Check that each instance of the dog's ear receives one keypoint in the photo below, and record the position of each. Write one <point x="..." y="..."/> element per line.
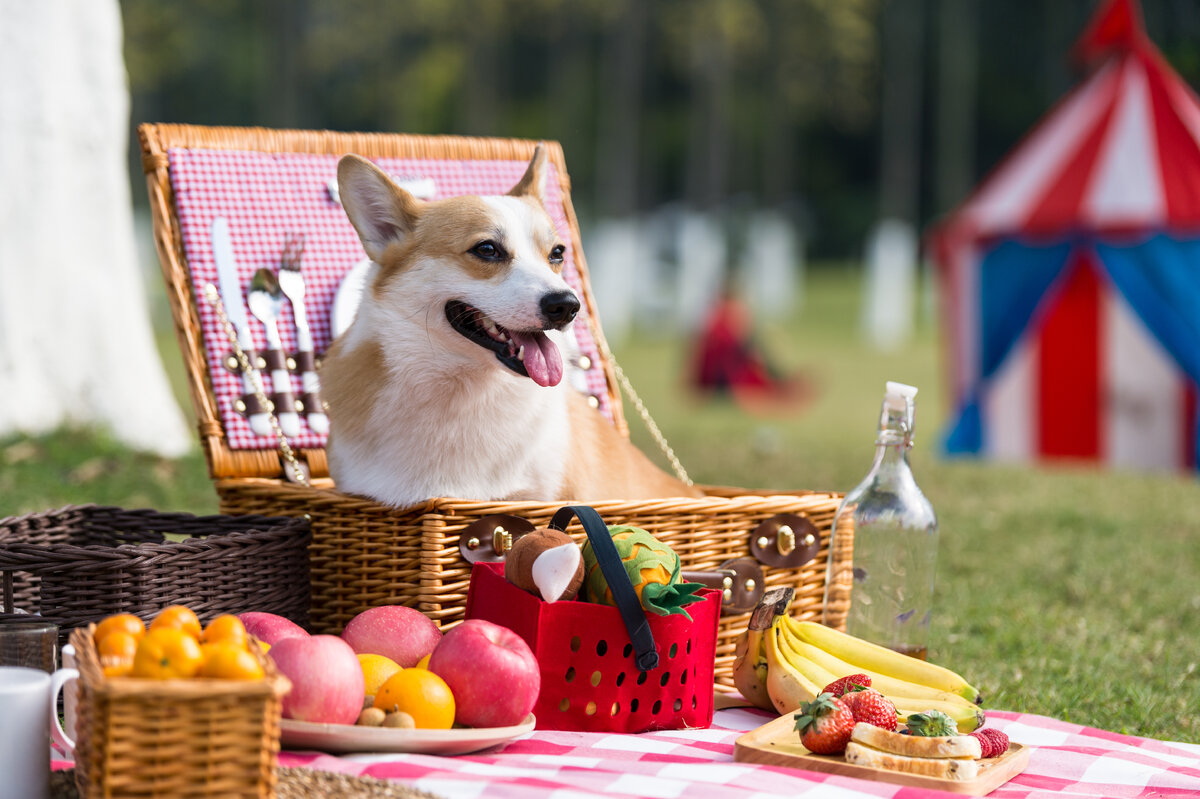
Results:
<point x="381" y="212"/>
<point x="533" y="183"/>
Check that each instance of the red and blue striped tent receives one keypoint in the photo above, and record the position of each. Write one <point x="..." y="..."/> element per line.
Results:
<point x="1071" y="276"/>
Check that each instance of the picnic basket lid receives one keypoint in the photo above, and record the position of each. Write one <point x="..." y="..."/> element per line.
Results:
<point x="271" y="183"/>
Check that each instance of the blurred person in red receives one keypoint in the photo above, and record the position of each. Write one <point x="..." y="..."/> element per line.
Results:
<point x="727" y="359"/>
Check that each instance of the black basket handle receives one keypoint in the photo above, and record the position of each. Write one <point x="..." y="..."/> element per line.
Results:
<point x="645" y="655"/>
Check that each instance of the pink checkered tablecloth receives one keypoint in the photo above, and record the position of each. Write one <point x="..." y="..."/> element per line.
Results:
<point x="1067" y="760"/>
<point x="266" y="197"/>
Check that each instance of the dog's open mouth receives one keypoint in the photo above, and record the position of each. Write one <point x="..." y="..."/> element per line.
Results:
<point x="528" y="353"/>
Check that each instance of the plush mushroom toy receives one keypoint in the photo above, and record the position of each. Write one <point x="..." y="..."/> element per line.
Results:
<point x="547" y="563"/>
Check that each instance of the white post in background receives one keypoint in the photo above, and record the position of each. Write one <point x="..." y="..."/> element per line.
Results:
<point x="76" y="344"/>
<point x="701" y="251"/>
<point x="889" y="290"/>
<point x="615" y="260"/>
<point x="773" y="264"/>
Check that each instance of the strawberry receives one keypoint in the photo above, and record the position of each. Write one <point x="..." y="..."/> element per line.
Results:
<point x="852" y="682"/>
<point x="993" y="742"/>
<point x="824" y="725"/>
<point x="872" y="707"/>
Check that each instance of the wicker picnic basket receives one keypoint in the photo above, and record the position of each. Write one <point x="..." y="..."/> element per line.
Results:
<point x="365" y="554"/>
<point x="183" y="739"/>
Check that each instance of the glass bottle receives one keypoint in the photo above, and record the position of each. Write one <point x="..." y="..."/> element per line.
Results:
<point x="890" y="581"/>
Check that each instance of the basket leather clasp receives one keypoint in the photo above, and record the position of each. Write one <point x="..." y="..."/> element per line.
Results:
<point x="740" y="581"/>
<point x="785" y="541"/>
<point x="489" y="539"/>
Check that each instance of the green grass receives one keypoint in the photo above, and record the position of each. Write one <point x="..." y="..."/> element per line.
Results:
<point x="1071" y="591"/>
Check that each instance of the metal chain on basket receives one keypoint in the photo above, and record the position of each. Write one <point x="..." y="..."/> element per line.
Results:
<point x="289" y="455"/>
<point x="643" y="412"/>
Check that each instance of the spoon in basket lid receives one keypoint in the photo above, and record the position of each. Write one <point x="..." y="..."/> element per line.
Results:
<point x="266" y="301"/>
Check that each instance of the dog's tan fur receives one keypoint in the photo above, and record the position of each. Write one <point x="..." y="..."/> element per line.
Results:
<point x="417" y="409"/>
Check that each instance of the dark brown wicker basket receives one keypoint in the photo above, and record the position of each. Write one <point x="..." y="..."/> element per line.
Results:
<point x="79" y="564"/>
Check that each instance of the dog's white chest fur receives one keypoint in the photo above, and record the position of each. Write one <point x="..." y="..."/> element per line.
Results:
<point x="450" y="428"/>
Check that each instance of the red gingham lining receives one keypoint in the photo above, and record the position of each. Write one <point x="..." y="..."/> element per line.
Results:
<point x="266" y="196"/>
<point x="1066" y="760"/>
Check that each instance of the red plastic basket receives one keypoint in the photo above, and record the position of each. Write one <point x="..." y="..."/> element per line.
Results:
<point x="589" y="667"/>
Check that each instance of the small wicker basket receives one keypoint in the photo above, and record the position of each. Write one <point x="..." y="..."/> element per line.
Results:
<point x="81" y="563"/>
<point x="175" y="739"/>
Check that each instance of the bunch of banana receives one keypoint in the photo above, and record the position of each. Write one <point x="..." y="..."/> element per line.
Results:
<point x="782" y="663"/>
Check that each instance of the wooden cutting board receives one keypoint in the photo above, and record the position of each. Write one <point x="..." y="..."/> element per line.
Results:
<point x="777" y="744"/>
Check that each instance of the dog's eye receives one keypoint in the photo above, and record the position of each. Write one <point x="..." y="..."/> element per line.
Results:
<point x="488" y="251"/>
<point x="556" y="254"/>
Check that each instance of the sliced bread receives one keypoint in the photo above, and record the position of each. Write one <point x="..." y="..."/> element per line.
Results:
<point x="951" y="768"/>
<point x="952" y="746"/>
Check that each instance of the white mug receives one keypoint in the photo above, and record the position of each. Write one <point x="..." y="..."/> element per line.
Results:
<point x="29" y="708"/>
<point x="70" y="698"/>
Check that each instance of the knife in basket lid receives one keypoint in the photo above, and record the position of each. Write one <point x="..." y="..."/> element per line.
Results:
<point x="235" y="310"/>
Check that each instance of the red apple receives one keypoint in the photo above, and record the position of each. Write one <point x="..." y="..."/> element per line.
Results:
<point x="491" y="671"/>
<point x="269" y="628"/>
<point x="401" y="633"/>
<point x="327" y="679"/>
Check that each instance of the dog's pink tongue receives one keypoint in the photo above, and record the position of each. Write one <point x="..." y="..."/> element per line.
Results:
<point x="542" y="360"/>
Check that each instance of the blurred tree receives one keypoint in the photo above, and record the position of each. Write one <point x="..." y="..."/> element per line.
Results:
<point x="654" y="101"/>
<point x="619" y="123"/>
<point x="954" y="127"/>
<point x="900" y="112"/>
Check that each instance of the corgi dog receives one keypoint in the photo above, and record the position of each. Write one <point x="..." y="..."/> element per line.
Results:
<point x="449" y="381"/>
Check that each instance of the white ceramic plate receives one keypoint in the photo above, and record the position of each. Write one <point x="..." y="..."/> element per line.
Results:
<point x="347" y="738"/>
<point x="349" y="292"/>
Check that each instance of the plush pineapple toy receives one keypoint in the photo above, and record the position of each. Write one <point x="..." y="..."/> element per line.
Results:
<point x="653" y="568"/>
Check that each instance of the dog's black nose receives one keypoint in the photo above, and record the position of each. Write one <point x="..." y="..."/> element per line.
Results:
<point x="559" y="308"/>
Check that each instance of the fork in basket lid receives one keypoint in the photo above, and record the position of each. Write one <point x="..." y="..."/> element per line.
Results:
<point x="291" y="282"/>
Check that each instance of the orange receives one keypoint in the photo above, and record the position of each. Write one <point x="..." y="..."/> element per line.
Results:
<point x="126" y="622"/>
<point x="376" y="670"/>
<point x="421" y="694"/>
<point x="423" y="663"/>
<point x="116" y="651"/>
<point x="228" y="661"/>
<point x="227" y="628"/>
<point x="178" y="617"/>
<point x="117" y="644"/>
<point x="121" y="669"/>
<point x="165" y="653"/>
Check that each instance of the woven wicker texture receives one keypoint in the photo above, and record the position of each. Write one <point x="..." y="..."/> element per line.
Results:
<point x="294" y="783"/>
<point x="78" y="564"/>
<point x="365" y="554"/>
<point x="177" y="738"/>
